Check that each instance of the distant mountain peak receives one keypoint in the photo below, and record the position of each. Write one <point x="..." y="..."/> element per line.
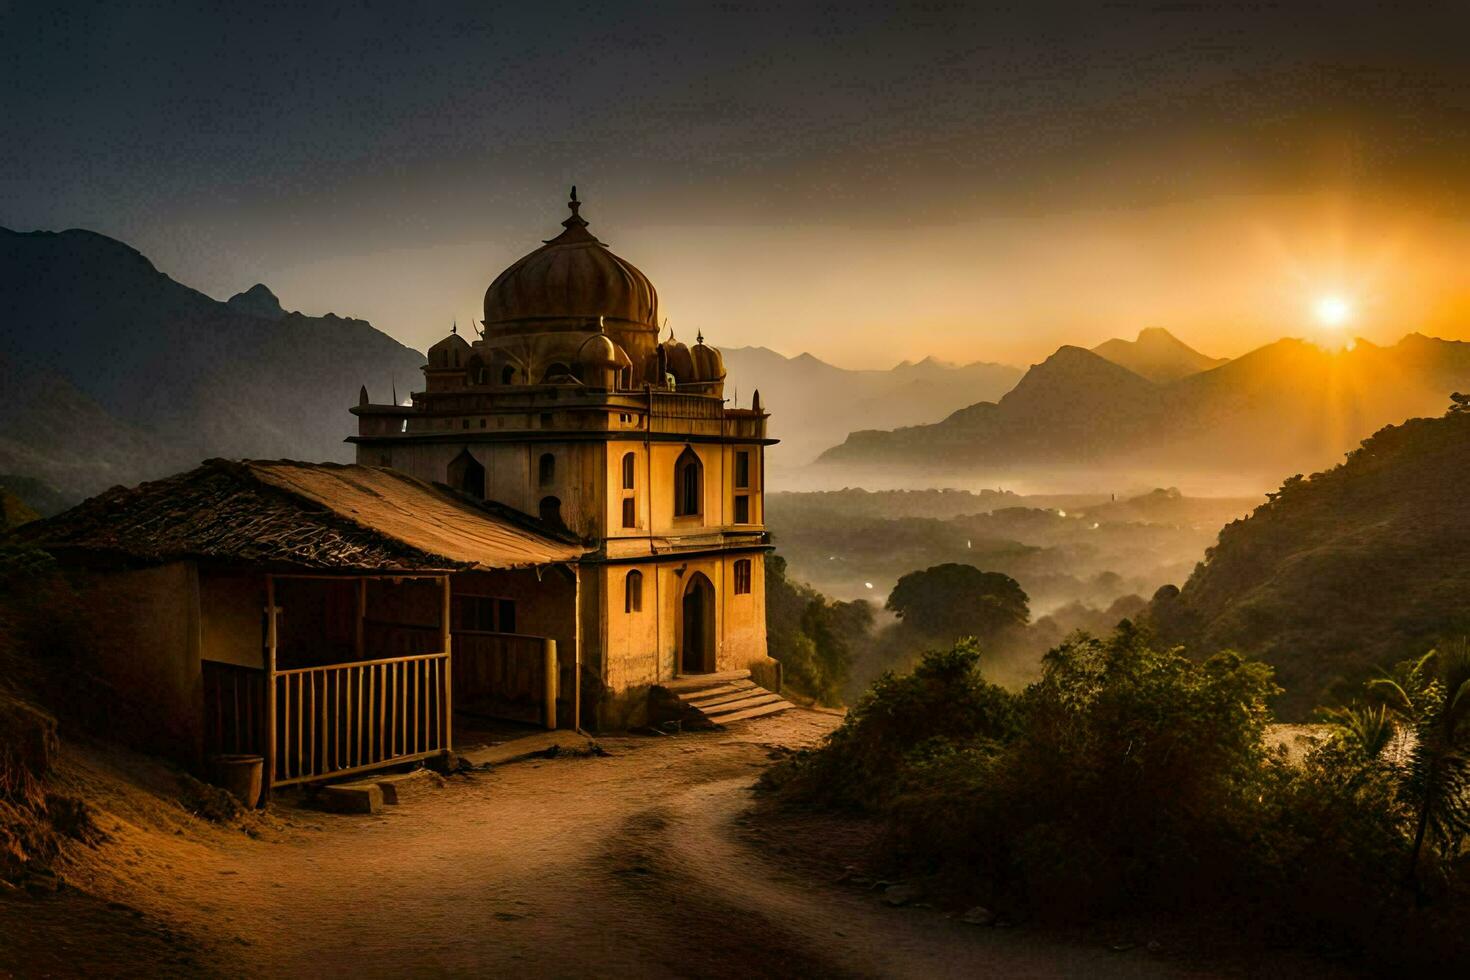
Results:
<point x="1157" y="355"/>
<point x="257" y="301"/>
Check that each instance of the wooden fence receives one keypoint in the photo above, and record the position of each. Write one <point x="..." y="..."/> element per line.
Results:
<point x="342" y="718"/>
<point x="234" y="709"/>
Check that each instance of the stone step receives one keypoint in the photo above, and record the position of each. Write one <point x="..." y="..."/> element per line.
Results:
<point x="693" y="697"/>
<point x="693" y="682"/>
<point x="780" y="704"/>
<point x="721" y="712"/>
<point x="735" y="694"/>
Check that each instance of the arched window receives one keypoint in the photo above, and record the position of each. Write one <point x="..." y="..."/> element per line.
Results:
<point x="467" y="475"/>
<point x="554" y="370"/>
<point x="742" y="576"/>
<point x="630" y="471"/>
<point x="546" y="470"/>
<point x="633" y="592"/>
<point x="688" y="484"/>
<point x="507" y="375"/>
<point x="551" y="511"/>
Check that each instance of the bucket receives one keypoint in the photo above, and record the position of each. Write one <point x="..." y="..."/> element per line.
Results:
<point x="241" y="775"/>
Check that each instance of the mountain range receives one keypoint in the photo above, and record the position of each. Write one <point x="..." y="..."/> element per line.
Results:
<point x="815" y="404"/>
<point x="1290" y="406"/>
<point x="115" y="373"/>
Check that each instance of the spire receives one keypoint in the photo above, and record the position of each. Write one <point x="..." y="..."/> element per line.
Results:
<point x="455" y="328"/>
<point x="699" y="337"/>
<point x="576" y="225"/>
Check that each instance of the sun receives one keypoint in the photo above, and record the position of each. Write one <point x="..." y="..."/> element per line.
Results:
<point x="1332" y="311"/>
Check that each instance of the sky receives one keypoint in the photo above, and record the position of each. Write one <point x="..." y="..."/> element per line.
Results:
<point x="867" y="182"/>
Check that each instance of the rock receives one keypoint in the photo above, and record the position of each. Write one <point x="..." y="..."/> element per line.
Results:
<point x="41" y="881"/>
<point x="352" y="798"/>
<point x="978" y="916"/>
<point x="409" y="785"/>
<point x="896" y="895"/>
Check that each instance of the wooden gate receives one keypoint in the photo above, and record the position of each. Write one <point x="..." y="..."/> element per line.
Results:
<point x="342" y="718"/>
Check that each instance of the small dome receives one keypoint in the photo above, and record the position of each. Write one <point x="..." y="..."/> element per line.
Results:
<point x="709" y="365"/>
<point x="572" y="276"/>
<point x="451" y="352"/>
<point x="598" y="351"/>
<point x="679" y="361"/>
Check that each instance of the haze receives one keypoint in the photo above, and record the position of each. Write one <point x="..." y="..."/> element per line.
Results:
<point x="866" y="183"/>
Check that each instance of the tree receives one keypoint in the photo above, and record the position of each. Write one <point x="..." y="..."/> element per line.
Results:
<point x="814" y="637"/>
<point x="1431" y="698"/>
<point x="952" y="600"/>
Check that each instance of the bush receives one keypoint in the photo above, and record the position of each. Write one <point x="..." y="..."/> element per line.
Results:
<point x="1132" y="776"/>
<point x="895" y="726"/>
<point x="1134" y="780"/>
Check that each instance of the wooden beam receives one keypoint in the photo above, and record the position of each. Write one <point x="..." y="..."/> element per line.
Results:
<point x="270" y="685"/>
<point x="361" y="617"/>
<point x="549" y="651"/>
<point x="448" y="640"/>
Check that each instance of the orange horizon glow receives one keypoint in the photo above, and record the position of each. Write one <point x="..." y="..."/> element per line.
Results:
<point x="1224" y="276"/>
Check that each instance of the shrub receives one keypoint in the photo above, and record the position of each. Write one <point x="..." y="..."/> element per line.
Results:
<point x="898" y="723"/>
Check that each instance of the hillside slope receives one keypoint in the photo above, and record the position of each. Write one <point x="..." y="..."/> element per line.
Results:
<point x="1341" y="573"/>
<point x="117" y="373"/>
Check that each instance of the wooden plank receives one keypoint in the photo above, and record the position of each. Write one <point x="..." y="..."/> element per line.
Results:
<point x="446" y="711"/>
<point x="548" y="652"/>
<point x="270" y="667"/>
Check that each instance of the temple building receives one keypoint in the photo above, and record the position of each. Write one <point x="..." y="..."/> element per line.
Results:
<point x="570" y="409"/>
<point x="564" y="527"/>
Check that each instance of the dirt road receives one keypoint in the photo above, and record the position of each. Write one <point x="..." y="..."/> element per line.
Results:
<point x="632" y="865"/>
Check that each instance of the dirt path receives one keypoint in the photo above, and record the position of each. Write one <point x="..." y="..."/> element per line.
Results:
<point x="626" y="866"/>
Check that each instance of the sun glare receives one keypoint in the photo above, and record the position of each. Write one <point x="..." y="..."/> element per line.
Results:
<point x="1332" y="311"/>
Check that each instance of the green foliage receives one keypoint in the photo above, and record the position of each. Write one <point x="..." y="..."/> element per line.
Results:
<point x="953" y="600"/>
<point x="1131" y="778"/>
<point x="904" y="718"/>
<point x="1341" y="574"/>
<point x="814" y="638"/>
<point x="1430" y="697"/>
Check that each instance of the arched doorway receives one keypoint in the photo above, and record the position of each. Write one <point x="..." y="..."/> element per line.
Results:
<point x="697" y="652"/>
<point x="467" y="475"/>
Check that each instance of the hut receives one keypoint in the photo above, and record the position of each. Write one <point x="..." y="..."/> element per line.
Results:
<point x="330" y="618"/>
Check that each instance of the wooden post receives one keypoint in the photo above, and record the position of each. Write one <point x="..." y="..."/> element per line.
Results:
<point x="549" y="650"/>
<point x="447" y="640"/>
<point x="269" y="775"/>
<point x="361" y="616"/>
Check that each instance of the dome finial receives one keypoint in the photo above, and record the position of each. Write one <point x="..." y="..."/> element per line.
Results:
<point x="576" y="225"/>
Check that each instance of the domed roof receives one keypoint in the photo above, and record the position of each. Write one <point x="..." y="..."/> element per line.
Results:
<point x="573" y="276"/>
<point x="451" y="352"/>
<point x="709" y="364"/>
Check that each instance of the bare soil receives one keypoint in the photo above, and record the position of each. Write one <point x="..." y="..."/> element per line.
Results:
<point x="649" y="862"/>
